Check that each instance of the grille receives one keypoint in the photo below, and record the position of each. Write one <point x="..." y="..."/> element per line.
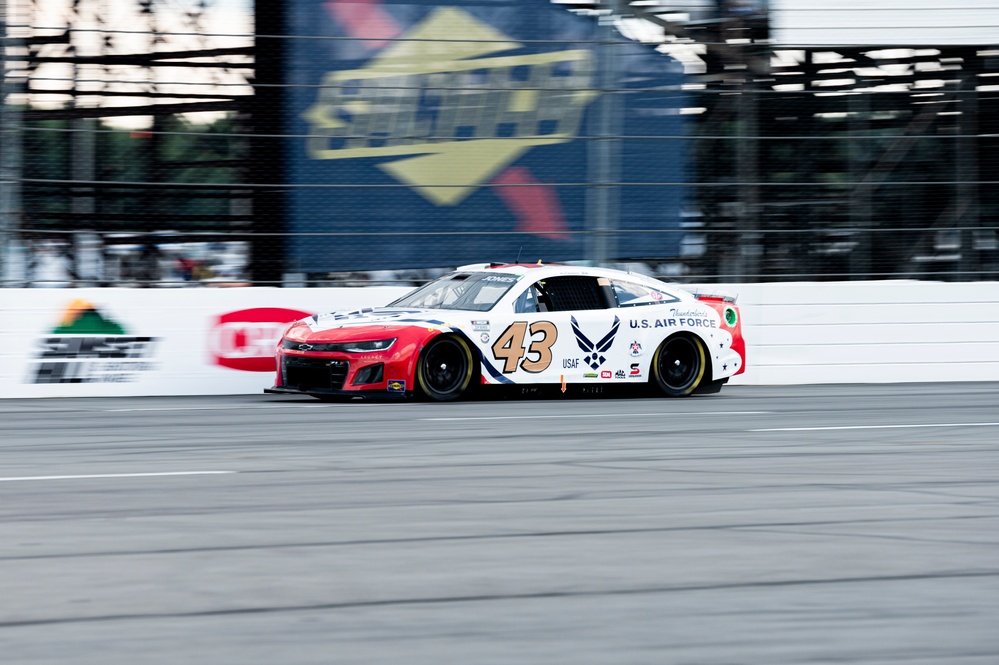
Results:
<point x="314" y="374"/>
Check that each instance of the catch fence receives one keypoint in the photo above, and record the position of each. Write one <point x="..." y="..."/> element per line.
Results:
<point x="332" y="150"/>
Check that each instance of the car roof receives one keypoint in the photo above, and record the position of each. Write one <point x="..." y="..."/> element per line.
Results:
<point x="539" y="271"/>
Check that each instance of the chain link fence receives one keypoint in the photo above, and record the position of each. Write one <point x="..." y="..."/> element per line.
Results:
<point x="349" y="148"/>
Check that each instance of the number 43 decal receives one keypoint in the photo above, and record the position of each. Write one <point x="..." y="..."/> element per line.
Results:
<point x="509" y="347"/>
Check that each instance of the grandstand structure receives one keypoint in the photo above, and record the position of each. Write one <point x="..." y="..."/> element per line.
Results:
<point x="848" y="161"/>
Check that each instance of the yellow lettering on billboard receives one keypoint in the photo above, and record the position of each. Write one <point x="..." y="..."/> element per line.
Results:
<point x="445" y="116"/>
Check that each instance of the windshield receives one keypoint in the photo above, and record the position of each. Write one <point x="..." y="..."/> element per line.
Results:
<point x="478" y="292"/>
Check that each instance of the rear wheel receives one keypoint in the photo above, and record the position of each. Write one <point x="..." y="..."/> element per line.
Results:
<point x="444" y="370"/>
<point x="679" y="365"/>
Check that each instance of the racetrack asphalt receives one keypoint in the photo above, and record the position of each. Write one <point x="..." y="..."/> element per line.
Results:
<point x="771" y="525"/>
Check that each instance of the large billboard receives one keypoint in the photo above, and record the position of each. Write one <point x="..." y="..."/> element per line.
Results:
<point x="427" y="134"/>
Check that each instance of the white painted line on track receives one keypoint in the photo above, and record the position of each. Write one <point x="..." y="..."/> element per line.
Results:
<point x="117" y="475"/>
<point x="842" y="427"/>
<point x="219" y="408"/>
<point x="601" y="415"/>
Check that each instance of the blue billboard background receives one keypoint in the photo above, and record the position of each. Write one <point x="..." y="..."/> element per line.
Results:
<point x="429" y="135"/>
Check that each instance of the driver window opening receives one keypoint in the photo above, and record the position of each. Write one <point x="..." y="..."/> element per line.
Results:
<point x="570" y="293"/>
<point x="534" y="299"/>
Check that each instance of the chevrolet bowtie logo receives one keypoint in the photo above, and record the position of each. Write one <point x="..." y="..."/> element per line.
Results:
<point x="443" y="117"/>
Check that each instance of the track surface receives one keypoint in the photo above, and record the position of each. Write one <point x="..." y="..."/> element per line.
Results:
<point x="849" y="524"/>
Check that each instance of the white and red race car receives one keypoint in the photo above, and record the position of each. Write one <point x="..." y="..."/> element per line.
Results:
<point x="521" y="325"/>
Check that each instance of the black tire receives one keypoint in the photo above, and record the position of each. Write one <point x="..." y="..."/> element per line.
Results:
<point x="679" y="365"/>
<point x="444" y="370"/>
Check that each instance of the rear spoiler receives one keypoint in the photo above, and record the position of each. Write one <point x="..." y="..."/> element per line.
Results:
<point x="705" y="294"/>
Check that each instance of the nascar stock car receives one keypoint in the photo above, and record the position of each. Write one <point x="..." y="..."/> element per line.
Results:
<point x="518" y="325"/>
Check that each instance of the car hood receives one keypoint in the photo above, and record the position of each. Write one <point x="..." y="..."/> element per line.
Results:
<point x="387" y="317"/>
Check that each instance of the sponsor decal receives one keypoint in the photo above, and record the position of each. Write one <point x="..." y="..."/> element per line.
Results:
<point x="358" y="114"/>
<point x="636" y="348"/>
<point x="656" y="295"/>
<point x="636" y="370"/>
<point x="397" y="386"/>
<point x="89" y="347"/>
<point x="606" y="374"/>
<point x="619" y="374"/>
<point x="480" y="326"/>
<point x="245" y="340"/>
<point x="731" y="317"/>
<point x="688" y="322"/>
<point x="595" y="350"/>
<point x="484" y="337"/>
<point x="590" y="375"/>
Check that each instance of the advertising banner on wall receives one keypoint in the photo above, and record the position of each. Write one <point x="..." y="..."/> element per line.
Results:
<point x="122" y="342"/>
<point x="132" y="342"/>
<point x="427" y="134"/>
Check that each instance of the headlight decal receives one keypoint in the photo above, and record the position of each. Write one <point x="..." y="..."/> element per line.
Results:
<point x="345" y="347"/>
<point x="366" y="347"/>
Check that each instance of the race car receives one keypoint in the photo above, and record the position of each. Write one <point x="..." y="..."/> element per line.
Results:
<point x="527" y="325"/>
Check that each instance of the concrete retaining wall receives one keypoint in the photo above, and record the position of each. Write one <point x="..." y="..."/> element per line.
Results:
<point x="218" y="341"/>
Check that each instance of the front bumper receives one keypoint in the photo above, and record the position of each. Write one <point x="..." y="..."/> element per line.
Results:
<point x="337" y="374"/>
<point x="380" y="393"/>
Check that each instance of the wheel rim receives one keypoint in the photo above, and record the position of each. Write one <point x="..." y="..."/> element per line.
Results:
<point x="445" y="367"/>
<point x="679" y="363"/>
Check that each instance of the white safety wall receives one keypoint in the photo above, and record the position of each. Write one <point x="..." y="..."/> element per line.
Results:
<point x="220" y="341"/>
<point x="870" y="332"/>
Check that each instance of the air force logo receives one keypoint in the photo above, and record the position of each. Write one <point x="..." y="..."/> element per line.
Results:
<point x="595" y="357"/>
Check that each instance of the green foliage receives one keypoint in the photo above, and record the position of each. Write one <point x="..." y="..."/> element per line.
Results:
<point x="175" y="150"/>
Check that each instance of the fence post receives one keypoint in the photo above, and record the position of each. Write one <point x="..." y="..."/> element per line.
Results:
<point x="603" y="155"/>
<point x="10" y="143"/>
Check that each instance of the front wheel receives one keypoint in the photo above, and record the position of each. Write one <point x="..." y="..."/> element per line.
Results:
<point x="679" y="365"/>
<point x="444" y="370"/>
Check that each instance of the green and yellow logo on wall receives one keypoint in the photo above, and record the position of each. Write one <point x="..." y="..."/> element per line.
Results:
<point x="89" y="347"/>
<point x="82" y="318"/>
